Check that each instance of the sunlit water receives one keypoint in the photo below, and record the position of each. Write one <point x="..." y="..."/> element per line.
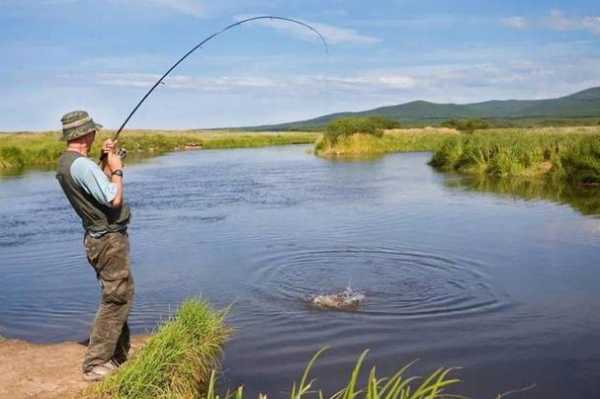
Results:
<point x="506" y="288"/>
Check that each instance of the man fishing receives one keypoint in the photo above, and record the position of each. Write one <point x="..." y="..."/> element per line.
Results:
<point x="96" y="195"/>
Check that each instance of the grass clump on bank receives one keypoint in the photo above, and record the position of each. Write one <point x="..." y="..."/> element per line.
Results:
<point x="346" y="127"/>
<point x="176" y="362"/>
<point x="395" y="387"/>
<point x="397" y="140"/>
<point x="372" y="136"/>
<point x="571" y="155"/>
<point x="31" y="150"/>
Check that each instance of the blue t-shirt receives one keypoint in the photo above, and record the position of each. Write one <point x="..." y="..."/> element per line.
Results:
<point x="88" y="175"/>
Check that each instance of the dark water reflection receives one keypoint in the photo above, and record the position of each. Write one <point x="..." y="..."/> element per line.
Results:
<point x="505" y="287"/>
<point x="585" y="199"/>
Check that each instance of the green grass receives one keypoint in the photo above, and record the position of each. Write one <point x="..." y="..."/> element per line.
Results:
<point x="180" y="359"/>
<point x="398" y="386"/>
<point x="571" y="154"/>
<point x="176" y="362"/>
<point x="397" y="140"/>
<point x="41" y="150"/>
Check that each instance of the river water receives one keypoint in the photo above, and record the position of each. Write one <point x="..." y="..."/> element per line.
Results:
<point x="505" y="288"/>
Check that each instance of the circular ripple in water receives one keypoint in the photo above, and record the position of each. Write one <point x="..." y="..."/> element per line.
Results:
<point x="395" y="283"/>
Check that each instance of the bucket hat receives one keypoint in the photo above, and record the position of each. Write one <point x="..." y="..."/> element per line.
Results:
<point x="76" y="124"/>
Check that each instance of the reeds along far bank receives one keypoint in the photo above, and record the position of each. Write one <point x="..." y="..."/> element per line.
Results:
<point x="30" y="150"/>
<point x="572" y="156"/>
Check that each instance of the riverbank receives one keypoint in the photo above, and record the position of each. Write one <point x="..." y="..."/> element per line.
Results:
<point x="393" y="140"/>
<point x="175" y="362"/>
<point x="39" y="150"/>
<point x="179" y="361"/>
<point x="44" y="371"/>
<point x="569" y="154"/>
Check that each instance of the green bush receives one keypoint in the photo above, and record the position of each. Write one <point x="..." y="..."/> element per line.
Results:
<point x="466" y="125"/>
<point x="344" y="127"/>
<point x="384" y="123"/>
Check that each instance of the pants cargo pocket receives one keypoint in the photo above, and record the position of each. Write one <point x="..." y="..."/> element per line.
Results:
<point x="117" y="292"/>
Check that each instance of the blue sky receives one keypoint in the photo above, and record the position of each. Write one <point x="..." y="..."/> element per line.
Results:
<point x="101" y="55"/>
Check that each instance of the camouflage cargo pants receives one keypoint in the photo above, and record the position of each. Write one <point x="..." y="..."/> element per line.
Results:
<point x="109" y="337"/>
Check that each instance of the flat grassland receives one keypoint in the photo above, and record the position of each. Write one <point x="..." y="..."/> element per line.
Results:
<point x="27" y="150"/>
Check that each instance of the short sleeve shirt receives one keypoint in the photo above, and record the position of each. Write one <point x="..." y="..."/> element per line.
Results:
<point x="88" y="175"/>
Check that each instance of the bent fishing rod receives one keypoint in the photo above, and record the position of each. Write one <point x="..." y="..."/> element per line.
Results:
<point x="199" y="45"/>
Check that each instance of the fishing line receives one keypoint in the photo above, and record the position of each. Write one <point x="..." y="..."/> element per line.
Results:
<point x="196" y="47"/>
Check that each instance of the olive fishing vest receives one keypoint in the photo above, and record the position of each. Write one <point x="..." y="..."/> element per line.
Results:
<point x="96" y="217"/>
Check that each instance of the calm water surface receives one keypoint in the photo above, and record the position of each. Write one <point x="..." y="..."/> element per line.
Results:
<point x="505" y="288"/>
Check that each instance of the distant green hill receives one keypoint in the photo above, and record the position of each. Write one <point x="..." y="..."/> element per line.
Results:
<point x="581" y="106"/>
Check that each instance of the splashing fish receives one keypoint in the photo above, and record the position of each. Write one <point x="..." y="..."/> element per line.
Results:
<point x="348" y="300"/>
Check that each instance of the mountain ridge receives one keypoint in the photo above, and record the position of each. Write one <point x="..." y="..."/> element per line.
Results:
<point x="583" y="104"/>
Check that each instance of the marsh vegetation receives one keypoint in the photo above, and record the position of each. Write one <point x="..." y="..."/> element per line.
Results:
<point x="569" y="154"/>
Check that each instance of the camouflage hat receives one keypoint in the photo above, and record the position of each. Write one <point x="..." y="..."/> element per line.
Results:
<point x="77" y="124"/>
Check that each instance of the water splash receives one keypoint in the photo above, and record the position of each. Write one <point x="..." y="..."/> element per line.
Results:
<point x="348" y="299"/>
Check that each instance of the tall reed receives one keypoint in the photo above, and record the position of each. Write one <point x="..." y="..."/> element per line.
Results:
<point x="574" y="156"/>
<point x="398" y="386"/>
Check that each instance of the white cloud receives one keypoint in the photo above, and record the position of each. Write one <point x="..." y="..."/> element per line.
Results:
<point x="515" y="22"/>
<point x="558" y="21"/>
<point x="333" y="34"/>
<point x="194" y="8"/>
<point x="146" y="80"/>
<point x="190" y="7"/>
<point x="361" y="82"/>
<point x="592" y="24"/>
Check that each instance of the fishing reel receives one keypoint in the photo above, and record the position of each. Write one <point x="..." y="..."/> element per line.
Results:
<point x="122" y="153"/>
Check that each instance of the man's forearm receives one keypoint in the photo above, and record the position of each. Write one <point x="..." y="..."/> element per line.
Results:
<point x="118" y="182"/>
